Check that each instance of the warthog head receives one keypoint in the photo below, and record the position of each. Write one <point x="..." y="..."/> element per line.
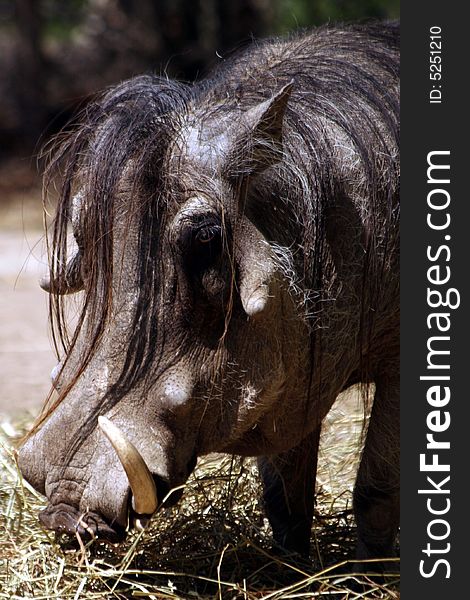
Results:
<point x="189" y="327"/>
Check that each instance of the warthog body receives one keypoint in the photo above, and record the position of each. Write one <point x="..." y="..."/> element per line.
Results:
<point x="237" y="248"/>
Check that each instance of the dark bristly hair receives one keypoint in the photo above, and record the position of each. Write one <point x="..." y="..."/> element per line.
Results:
<point x="132" y="123"/>
<point x="345" y="93"/>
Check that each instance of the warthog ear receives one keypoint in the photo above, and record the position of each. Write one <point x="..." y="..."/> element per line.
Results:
<point x="257" y="270"/>
<point x="67" y="281"/>
<point x="258" y="143"/>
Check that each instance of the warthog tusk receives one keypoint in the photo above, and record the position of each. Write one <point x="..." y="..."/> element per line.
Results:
<point x="144" y="492"/>
<point x="68" y="281"/>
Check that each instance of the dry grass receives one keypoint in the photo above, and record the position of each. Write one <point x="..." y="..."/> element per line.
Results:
<point x="214" y="544"/>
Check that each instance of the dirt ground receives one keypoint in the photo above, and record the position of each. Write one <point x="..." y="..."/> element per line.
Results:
<point x="26" y="356"/>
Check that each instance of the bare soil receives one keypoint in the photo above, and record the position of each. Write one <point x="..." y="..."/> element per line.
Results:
<point x="26" y="356"/>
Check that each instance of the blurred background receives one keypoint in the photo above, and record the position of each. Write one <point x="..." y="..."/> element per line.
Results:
<point x="54" y="54"/>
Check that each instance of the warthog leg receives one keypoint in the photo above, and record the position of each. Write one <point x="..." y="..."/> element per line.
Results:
<point x="377" y="490"/>
<point x="289" y="493"/>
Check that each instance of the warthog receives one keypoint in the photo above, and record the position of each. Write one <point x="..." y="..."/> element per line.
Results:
<point x="236" y="249"/>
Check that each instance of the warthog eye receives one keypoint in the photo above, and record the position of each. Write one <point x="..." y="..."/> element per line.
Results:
<point x="205" y="235"/>
<point x="202" y="244"/>
<point x="206" y="245"/>
<point x="208" y="234"/>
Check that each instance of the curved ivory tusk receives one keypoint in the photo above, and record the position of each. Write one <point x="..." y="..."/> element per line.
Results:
<point x="143" y="488"/>
<point x="69" y="281"/>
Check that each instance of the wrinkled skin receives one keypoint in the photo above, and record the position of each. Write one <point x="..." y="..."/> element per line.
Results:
<point x="234" y="372"/>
